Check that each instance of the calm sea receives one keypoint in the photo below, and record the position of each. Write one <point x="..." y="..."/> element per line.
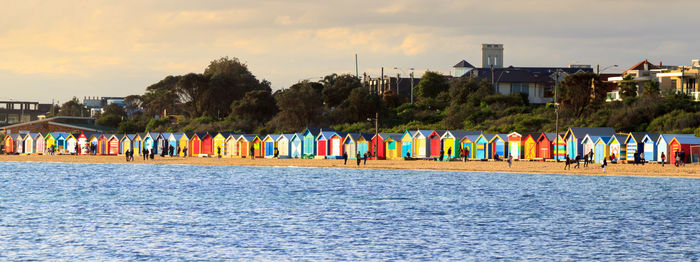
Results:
<point x="52" y="211"/>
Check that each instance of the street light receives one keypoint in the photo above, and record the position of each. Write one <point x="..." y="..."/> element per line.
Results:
<point x="605" y="68"/>
<point x="556" y="111"/>
<point x="399" y="79"/>
<point x="498" y="80"/>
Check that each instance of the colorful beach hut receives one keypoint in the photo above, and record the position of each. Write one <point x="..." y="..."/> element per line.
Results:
<point x="407" y="144"/>
<point x="284" y="145"/>
<point x="19" y="143"/>
<point x="421" y="143"/>
<point x="245" y="142"/>
<point x="92" y="140"/>
<point x="297" y="145"/>
<point x="49" y="141"/>
<point x="336" y="145"/>
<point x="270" y="142"/>
<point x="309" y="141"/>
<point x="634" y="144"/>
<point x="499" y="146"/>
<point x="184" y="143"/>
<point x="616" y="147"/>
<point x="218" y="144"/>
<point x="392" y="146"/>
<point x="173" y="142"/>
<point x="662" y="145"/>
<point x="530" y="146"/>
<point x="482" y="148"/>
<point x="195" y="144"/>
<point x="468" y="142"/>
<point x="207" y="146"/>
<point x="60" y="142"/>
<point x="323" y="144"/>
<point x="113" y="144"/>
<point x="29" y="143"/>
<point x="515" y="143"/>
<point x="602" y="148"/>
<point x="83" y="143"/>
<point x="689" y="145"/>
<point x="377" y="149"/>
<point x="350" y="145"/>
<point x="40" y="144"/>
<point x="231" y="145"/>
<point x="574" y="136"/>
<point x="649" y="142"/>
<point x="71" y="143"/>
<point x="126" y="143"/>
<point x="9" y="144"/>
<point x="435" y="143"/>
<point x="589" y="143"/>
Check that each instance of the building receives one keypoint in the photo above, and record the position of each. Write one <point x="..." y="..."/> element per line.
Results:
<point x="13" y="112"/>
<point x="97" y="104"/>
<point x="67" y="124"/>
<point x="492" y="55"/>
<point x="673" y="79"/>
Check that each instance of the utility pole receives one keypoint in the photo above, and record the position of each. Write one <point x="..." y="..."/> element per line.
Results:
<point x="376" y="134"/>
<point x="398" y="80"/>
<point x="357" y="71"/>
<point x="556" y="111"/>
<point x="411" y="87"/>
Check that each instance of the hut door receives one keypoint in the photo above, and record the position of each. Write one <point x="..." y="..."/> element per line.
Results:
<point x="405" y="149"/>
<point x="514" y="150"/>
<point x="599" y="153"/>
<point x="335" y="147"/>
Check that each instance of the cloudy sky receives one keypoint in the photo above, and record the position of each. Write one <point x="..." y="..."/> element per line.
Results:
<point x="60" y="49"/>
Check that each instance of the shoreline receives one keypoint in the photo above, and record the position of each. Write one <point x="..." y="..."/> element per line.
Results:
<point x="528" y="167"/>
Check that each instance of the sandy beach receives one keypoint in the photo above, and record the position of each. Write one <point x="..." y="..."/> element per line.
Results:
<point x="649" y="170"/>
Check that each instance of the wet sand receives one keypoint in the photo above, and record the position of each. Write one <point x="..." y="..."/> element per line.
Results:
<point x="649" y="170"/>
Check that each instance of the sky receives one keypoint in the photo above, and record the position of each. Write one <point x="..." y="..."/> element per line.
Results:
<point x="55" y="50"/>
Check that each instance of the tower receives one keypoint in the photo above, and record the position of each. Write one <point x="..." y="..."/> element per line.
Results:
<point x="492" y="54"/>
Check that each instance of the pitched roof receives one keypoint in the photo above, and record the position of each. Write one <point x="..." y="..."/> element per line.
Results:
<point x="581" y="132"/>
<point x="619" y="137"/>
<point x="640" y="66"/>
<point x="638" y="136"/>
<point x="652" y="136"/>
<point x="604" y="139"/>
<point x="688" y="140"/>
<point x="464" y="63"/>
<point x="393" y="136"/>
<point x="325" y="134"/>
<point x="669" y="137"/>
<point x="425" y="133"/>
<point x="459" y="134"/>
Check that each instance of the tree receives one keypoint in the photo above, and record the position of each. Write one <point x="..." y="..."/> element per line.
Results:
<point x="256" y="107"/>
<point x="576" y="92"/>
<point x="652" y="89"/>
<point x="628" y="88"/>
<point x="189" y="89"/>
<point x="431" y="84"/>
<point x="359" y="106"/>
<point x="300" y="106"/>
<point x="73" y="108"/>
<point x="337" y="88"/>
<point x="113" y="109"/>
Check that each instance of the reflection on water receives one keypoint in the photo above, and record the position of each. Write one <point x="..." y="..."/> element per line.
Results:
<point x="167" y="212"/>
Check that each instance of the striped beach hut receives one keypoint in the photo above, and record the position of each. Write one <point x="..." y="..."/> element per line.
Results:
<point x="19" y="143"/>
<point x="407" y="144"/>
<point x="634" y="144"/>
<point x="499" y="146"/>
<point x="515" y="143"/>
<point x="602" y="148"/>
<point x="113" y="144"/>
<point x="126" y="143"/>
<point x="39" y="144"/>
<point x="392" y="146"/>
<point x="195" y="144"/>
<point x="530" y="146"/>
<point x="284" y="145"/>
<point x="468" y="142"/>
<point x="649" y="142"/>
<point x="9" y="143"/>
<point x="662" y="145"/>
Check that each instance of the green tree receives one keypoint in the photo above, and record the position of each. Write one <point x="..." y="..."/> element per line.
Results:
<point x="300" y="106"/>
<point x="576" y="92"/>
<point x="628" y="88"/>
<point x="190" y="88"/>
<point x="337" y="88"/>
<point x="73" y="108"/>
<point x="652" y="89"/>
<point x="257" y="107"/>
<point x="431" y="84"/>
<point x="359" y="106"/>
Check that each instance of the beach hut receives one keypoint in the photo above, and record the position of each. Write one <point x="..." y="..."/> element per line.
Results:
<point x="148" y="142"/>
<point x="296" y="145"/>
<point x="468" y="142"/>
<point x="482" y="149"/>
<point x="113" y="144"/>
<point x="421" y="143"/>
<point x="363" y="145"/>
<point x="126" y="143"/>
<point x="195" y="144"/>
<point x="71" y="143"/>
<point x="174" y="143"/>
<point x="336" y="145"/>
<point x="662" y="145"/>
<point x="499" y="146"/>
<point x="29" y="143"/>
<point x="309" y="141"/>
<point x="435" y="143"/>
<point x="231" y="145"/>
<point x="83" y="143"/>
<point x="453" y="141"/>
<point x="323" y="144"/>
<point x="19" y="143"/>
<point x="515" y="143"/>
<point x="49" y="141"/>
<point x="530" y="146"/>
<point x="407" y="144"/>
<point x="356" y="143"/>
<point x="219" y="143"/>
<point x="634" y="144"/>
<point x="574" y="136"/>
<point x="39" y="144"/>
<point x="602" y="148"/>
<point x="689" y="145"/>
<point x="392" y="146"/>
<point x="92" y="142"/>
<point x="207" y="147"/>
<point x="162" y="143"/>
<point x="258" y="147"/>
<point x="350" y="145"/>
<point x="649" y="142"/>
<point x="616" y="147"/>
<point x="270" y="142"/>
<point x="244" y="144"/>
<point x="184" y="143"/>
<point x="102" y="144"/>
<point x="284" y="145"/>
<point x="9" y="144"/>
<point x="589" y="143"/>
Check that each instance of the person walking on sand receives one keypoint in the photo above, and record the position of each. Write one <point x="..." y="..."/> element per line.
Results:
<point x="678" y="159"/>
<point x="365" y="158"/>
<point x="184" y="152"/>
<point x="605" y="164"/>
<point x="578" y="161"/>
<point x="126" y="154"/>
<point x="359" y="158"/>
<point x="144" y="153"/>
<point x="510" y="160"/>
<point x="345" y="158"/>
<point x="682" y="155"/>
<point x="641" y="158"/>
<point x="218" y="151"/>
<point x="567" y="162"/>
<point x="252" y="153"/>
<point x="663" y="159"/>
<point x="276" y="153"/>
<point x="449" y="153"/>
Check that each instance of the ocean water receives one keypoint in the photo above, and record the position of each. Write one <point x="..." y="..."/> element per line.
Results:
<point x="98" y="212"/>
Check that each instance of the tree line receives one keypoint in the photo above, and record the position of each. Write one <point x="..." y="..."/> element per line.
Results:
<point x="227" y="97"/>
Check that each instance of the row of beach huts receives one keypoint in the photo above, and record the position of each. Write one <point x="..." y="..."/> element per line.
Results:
<point x="329" y="144"/>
